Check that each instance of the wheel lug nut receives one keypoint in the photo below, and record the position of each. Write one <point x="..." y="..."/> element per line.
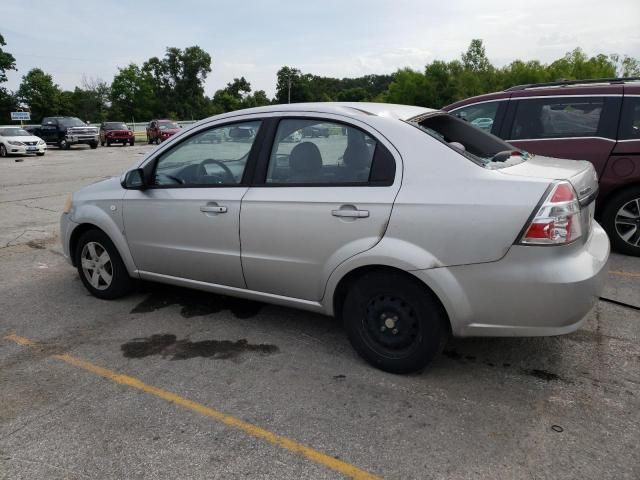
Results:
<point x="383" y="328"/>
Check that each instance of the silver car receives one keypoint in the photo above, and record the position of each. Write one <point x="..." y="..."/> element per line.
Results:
<point x="409" y="224"/>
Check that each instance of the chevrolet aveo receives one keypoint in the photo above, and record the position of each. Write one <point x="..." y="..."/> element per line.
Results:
<point x="409" y="224"/>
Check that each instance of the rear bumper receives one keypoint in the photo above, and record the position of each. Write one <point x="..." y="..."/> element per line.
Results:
<point x="532" y="291"/>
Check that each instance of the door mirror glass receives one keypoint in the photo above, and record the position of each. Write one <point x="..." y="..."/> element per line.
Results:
<point x="134" y="180"/>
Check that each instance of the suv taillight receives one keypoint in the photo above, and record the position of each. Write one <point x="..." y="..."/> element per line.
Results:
<point x="557" y="221"/>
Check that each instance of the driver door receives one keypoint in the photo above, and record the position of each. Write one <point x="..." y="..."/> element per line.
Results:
<point x="186" y="224"/>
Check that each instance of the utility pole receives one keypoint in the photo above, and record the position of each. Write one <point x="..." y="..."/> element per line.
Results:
<point x="289" y="87"/>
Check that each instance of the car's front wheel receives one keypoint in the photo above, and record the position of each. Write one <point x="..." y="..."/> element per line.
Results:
<point x="621" y="220"/>
<point x="393" y="322"/>
<point x="100" y="266"/>
<point x="93" y="145"/>
<point x="3" y="150"/>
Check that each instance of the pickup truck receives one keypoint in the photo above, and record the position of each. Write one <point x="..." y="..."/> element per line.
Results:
<point x="65" y="131"/>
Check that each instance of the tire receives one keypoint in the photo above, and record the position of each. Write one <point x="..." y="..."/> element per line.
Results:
<point x="64" y="145"/>
<point x="132" y="143"/>
<point x="621" y="220"/>
<point x="149" y="140"/>
<point x="101" y="143"/>
<point x="3" y="151"/>
<point x="120" y="283"/>
<point x="394" y="322"/>
<point x="40" y="154"/>
<point x="124" y="144"/>
<point x="157" y="140"/>
<point x="93" y="145"/>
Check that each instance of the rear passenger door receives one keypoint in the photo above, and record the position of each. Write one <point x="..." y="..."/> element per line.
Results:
<point x="317" y="200"/>
<point x="578" y="127"/>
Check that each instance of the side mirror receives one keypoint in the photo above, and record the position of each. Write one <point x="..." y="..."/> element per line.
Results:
<point x="134" y="180"/>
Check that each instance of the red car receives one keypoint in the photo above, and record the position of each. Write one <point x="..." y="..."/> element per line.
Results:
<point x="595" y="120"/>
<point x="116" y="132"/>
<point x="159" y="130"/>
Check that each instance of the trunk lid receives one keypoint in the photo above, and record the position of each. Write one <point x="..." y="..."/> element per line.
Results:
<point x="580" y="173"/>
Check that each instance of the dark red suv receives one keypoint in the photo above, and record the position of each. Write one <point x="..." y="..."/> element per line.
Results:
<point x="595" y="120"/>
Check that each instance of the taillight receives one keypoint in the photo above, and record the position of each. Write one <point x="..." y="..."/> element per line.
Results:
<point x="557" y="221"/>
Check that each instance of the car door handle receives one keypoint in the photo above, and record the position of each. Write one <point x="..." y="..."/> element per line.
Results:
<point x="348" y="213"/>
<point x="213" y="209"/>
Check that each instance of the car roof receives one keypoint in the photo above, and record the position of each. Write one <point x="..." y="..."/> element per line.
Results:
<point x="348" y="109"/>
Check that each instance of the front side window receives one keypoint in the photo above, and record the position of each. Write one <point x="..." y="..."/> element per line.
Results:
<point x="480" y="115"/>
<point x="320" y="152"/>
<point x="557" y="118"/>
<point x="72" y="122"/>
<point x="115" y="126"/>
<point x="217" y="156"/>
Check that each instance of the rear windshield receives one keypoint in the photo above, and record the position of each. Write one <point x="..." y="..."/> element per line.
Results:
<point x="481" y="147"/>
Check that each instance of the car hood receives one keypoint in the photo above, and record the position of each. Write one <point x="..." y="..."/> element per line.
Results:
<point x="580" y="173"/>
<point x="30" y="138"/>
<point x="109" y="188"/>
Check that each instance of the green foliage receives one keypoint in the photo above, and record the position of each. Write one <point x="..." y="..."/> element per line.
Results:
<point x="38" y="91"/>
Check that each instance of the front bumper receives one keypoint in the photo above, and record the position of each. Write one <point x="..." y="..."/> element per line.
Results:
<point x="82" y="138"/>
<point x="532" y="291"/>
<point x="25" y="149"/>
<point x="66" y="229"/>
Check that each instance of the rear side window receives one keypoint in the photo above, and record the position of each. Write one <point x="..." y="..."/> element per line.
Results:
<point x="630" y="120"/>
<point x="317" y="152"/>
<point x="557" y="118"/>
<point x="480" y="115"/>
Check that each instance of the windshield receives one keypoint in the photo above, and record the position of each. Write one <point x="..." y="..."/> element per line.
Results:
<point x="72" y="122"/>
<point x="481" y="147"/>
<point x="14" y="132"/>
<point x="115" y="126"/>
<point x="167" y="125"/>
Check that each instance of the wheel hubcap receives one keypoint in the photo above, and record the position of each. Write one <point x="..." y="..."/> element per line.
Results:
<point x="627" y="222"/>
<point x="391" y="324"/>
<point x="96" y="265"/>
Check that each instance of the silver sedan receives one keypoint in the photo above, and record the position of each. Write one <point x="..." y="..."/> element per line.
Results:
<point x="407" y="223"/>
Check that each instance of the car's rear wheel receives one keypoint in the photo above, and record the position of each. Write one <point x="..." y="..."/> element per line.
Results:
<point x="621" y="220"/>
<point x="40" y="154"/>
<point x="132" y="143"/>
<point x="100" y="266"/>
<point x="149" y="140"/>
<point x="64" y="145"/>
<point x="393" y="322"/>
<point x="3" y="150"/>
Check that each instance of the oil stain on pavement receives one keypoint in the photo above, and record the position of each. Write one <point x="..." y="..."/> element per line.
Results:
<point x="195" y="303"/>
<point x="168" y="345"/>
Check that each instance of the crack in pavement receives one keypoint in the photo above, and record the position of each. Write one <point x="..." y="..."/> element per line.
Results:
<point x="10" y="242"/>
<point x="40" y="208"/>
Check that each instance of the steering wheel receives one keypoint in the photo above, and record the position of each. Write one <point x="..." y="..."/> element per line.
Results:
<point x="228" y="174"/>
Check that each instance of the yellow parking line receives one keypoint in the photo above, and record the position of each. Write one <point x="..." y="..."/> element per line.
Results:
<point x="625" y="274"/>
<point x="253" y="430"/>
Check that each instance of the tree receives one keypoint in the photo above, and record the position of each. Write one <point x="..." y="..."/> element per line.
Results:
<point x="38" y="91"/>
<point x="409" y="87"/>
<point x="291" y="84"/>
<point x="8" y="101"/>
<point x="132" y="94"/>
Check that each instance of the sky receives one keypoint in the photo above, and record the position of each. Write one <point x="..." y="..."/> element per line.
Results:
<point x="338" y="38"/>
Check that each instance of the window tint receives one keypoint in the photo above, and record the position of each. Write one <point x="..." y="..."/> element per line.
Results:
<point x="630" y="121"/>
<point x="481" y="115"/>
<point x="552" y="118"/>
<point x="214" y="157"/>
<point x="317" y="152"/>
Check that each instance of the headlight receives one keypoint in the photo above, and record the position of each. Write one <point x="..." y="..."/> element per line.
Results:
<point x="16" y="143"/>
<point x="41" y="142"/>
<point x="68" y="203"/>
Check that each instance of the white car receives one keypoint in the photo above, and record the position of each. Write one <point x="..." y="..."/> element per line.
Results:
<point x="17" y="141"/>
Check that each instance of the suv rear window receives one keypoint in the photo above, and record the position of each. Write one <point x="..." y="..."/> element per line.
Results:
<point x="557" y="118"/>
<point x="482" y="148"/>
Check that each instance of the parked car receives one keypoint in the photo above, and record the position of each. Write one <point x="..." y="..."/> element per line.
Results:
<point x="116" y="132"/>
<point x="159" y="130"/>
<point x="596" y="120"/>
<point x="316" y="131"/>
<point x="65" y="131"/>
<point x="411" y="226"/>
<point x="17" y="141"/>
